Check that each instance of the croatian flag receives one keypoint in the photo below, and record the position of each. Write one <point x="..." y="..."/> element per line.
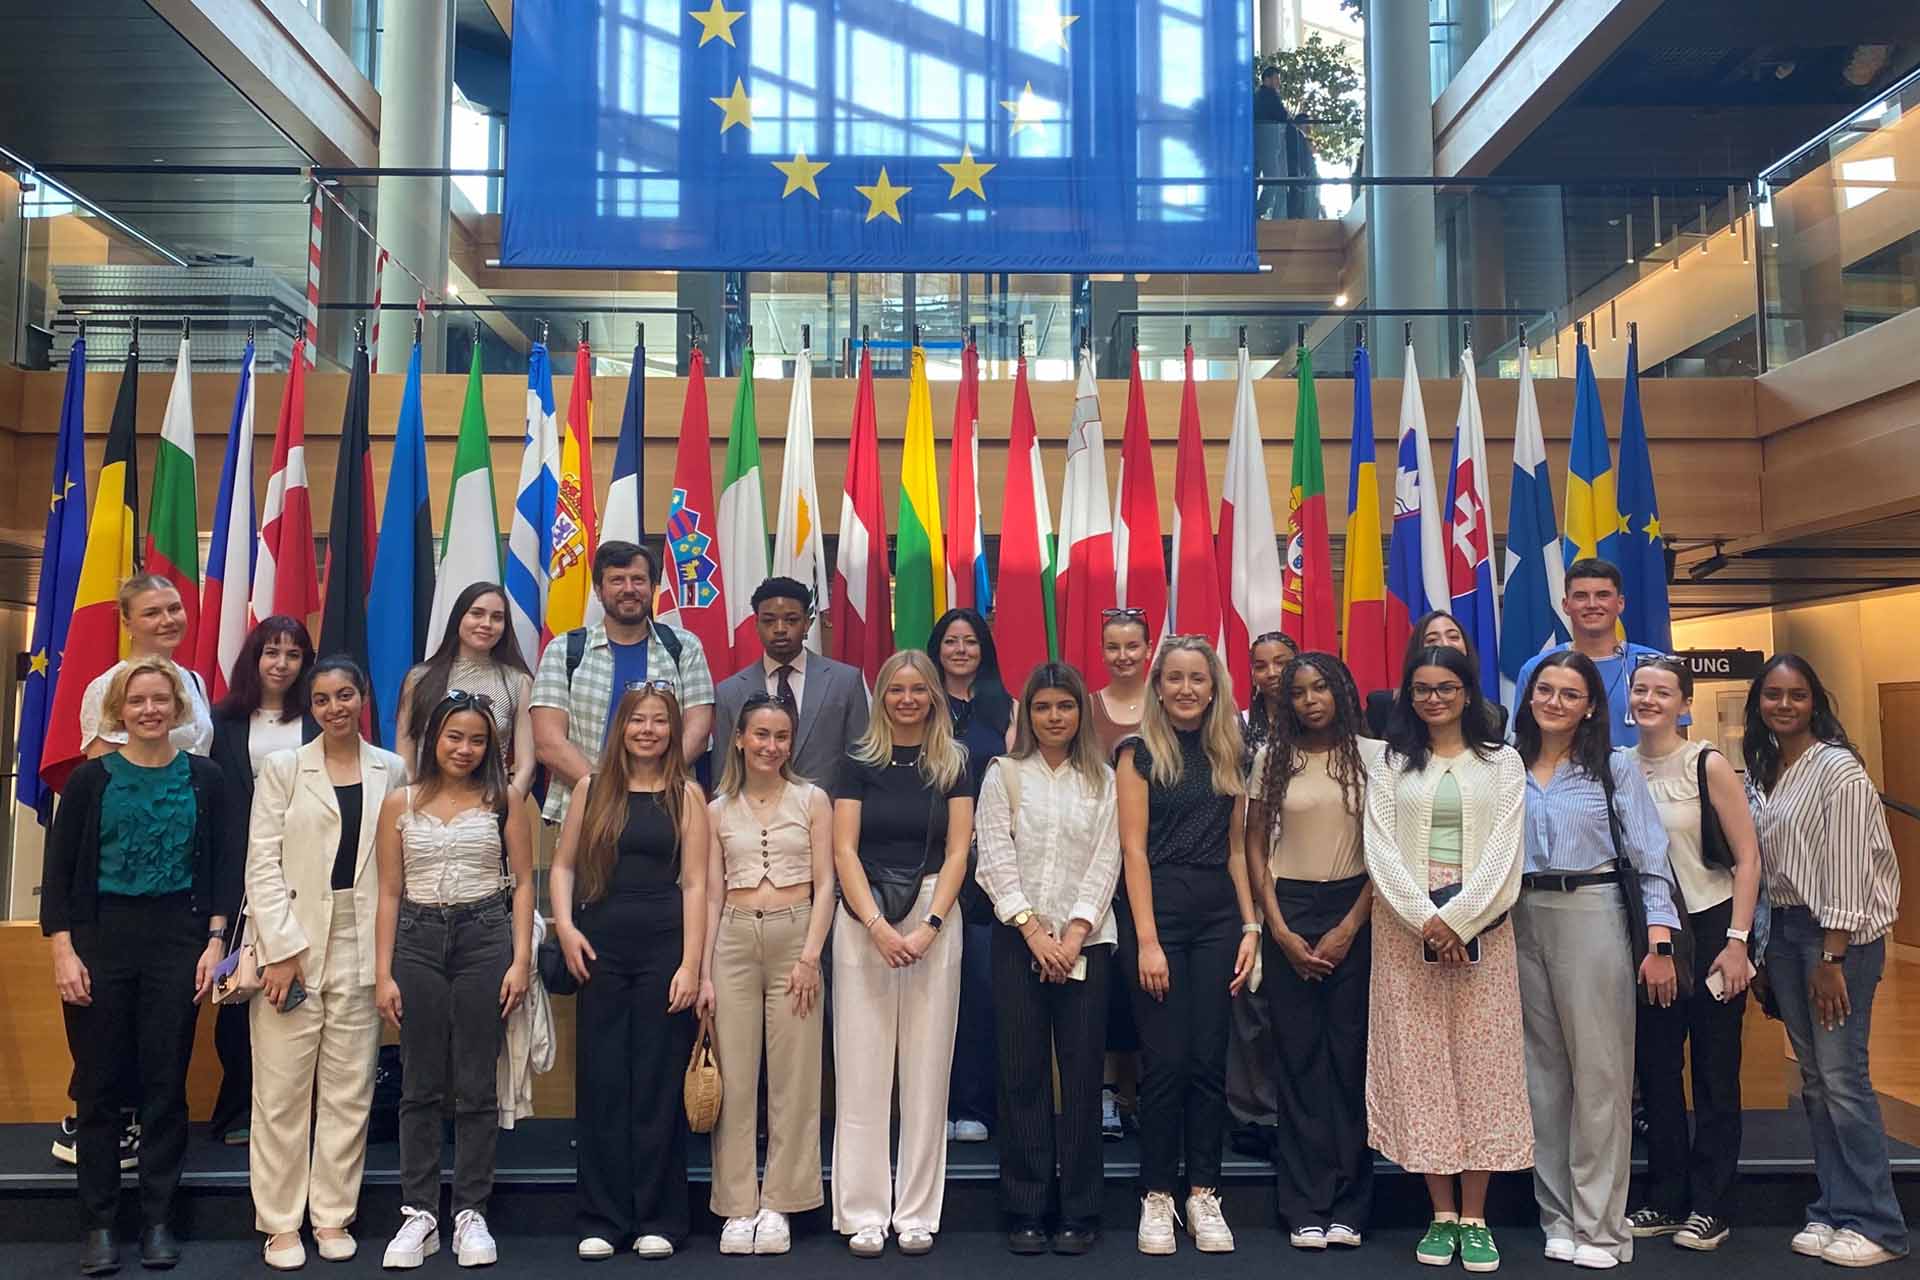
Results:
<point x="1470" y="580"/>
<point x="1416" y="561"/>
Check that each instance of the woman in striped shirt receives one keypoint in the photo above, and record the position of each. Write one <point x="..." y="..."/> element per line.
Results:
<point x="1835" y="888"/>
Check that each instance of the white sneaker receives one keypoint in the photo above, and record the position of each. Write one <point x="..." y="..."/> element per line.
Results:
<point x="1156" y="1224"/>
<point x="1206" y="1224"/>
<point x="772" y="1235"/>
<point x="473" y="1244"/>
<point x="417" y="1240"/>
<point x="1851" y="1249"/>
<point x="653" y="1248"/>
<point x="736" y="1237"/>
<point x="968" y="1131"/>
<point x="1594" y="1257"/>
<point x="868" y="1242"/>
<point x="1559" y="1249"/>
<point x="1811" y="1241"/>
<point x="595" y="1249"/>
<point x="1342" y="1234"/>
<point x="1307" y="1238"/>
<point x="915" y="1241"/>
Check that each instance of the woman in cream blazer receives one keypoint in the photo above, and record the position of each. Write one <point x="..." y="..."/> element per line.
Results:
<point x="312" y="891"/>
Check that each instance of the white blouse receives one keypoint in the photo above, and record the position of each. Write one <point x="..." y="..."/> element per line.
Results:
<point x="454" y="861"/>
<point x="194" y="737"/>
<point x="268" y="733"/>
<point x="1059" y="856"/>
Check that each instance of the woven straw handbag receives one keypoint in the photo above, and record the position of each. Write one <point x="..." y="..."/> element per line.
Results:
<point x="702" y="1089"/>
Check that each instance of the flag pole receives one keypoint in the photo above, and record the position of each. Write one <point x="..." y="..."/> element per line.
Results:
<point x="1300" y="336"/>
<point x="133" y="348"/>
<point x="806" y="337"/>
<point x="186" y="328"/>
<point x="1243" y="337"/>
<point x="1580" y="333"/>
<point x="1360" y="334"/>
<point x="360" y="334"/>
<point x="543" y="332"/>
<point x="1409" y="333"/>
<point x="419" y="327"/>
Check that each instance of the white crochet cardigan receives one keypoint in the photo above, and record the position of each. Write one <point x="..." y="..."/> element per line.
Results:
<point x="1493" y="796"/>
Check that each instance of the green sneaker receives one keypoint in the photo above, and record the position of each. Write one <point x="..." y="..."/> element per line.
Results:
<point x="1477" y="1251"/>
<point x="1436" y="1247"/>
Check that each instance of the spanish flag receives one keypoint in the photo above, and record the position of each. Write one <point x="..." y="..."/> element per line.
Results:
<point x="1363" y="613"/>
<point x="95" y="640"/>
<point x="576" y="526"/>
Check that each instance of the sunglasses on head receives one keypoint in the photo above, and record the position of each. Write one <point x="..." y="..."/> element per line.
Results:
<point x="1123" y="615"/>
<point x="664" y="686"/>
<point x="459" y="699"/>
<point x="757" y="700"/>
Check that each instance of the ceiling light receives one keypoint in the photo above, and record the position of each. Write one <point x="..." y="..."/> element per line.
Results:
<point x="1339" y="299"/>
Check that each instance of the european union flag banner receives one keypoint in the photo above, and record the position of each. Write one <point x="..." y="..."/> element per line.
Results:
<point x="904" y="135"/>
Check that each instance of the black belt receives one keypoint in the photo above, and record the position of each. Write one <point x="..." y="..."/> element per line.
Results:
<point x="1562" y="882"/>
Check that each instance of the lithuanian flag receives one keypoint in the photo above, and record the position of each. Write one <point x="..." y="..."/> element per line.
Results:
<point x="920" y="562"/>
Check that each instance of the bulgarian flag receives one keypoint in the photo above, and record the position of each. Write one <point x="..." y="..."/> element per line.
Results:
<point x="920" y="561"/>
<point x="861" y="607"/>
<point x="575" y="526"/>
<point x="470" y="538"/>
<point x="1024" y="616"/>
<point x="1307" y="595"/>
<point x="1363" y="611"/>
<point x="743" y="521"/>
<point x="173" y="527"/>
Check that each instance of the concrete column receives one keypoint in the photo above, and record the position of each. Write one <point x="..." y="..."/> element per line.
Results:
<point x="1401" y="243"/>
<point x="337" y="17"/>
<point x="1472" y="20"/>
<point x="416" y="110"/>
<point x="1273" y="26"/>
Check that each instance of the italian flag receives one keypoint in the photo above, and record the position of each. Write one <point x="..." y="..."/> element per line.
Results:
<point x="920" y="562"/>
<point x="1307" y="576"/>
<point x="173" y="530"/>
<point x="743" y="520"/>
<point x="1023" y="601"/>
<point x="470" y="538"/>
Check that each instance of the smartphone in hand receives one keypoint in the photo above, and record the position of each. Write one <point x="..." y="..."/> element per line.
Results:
<point x="296" y="995"/>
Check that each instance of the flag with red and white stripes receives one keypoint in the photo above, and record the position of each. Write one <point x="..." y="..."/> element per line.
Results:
<point x="313" y="277"/>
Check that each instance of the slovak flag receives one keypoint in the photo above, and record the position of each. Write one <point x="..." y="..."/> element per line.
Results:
<point x="1470" y="579"/>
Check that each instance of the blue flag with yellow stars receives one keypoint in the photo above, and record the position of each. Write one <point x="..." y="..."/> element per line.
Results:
<point x="909" y="135"/>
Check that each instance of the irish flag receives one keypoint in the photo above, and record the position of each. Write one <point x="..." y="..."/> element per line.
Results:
<point x="470" y="535"/>
<point x="797" y="549"/>
<point x="1363" y="611"/>
<point x="1250" y="582"/>
<point x="743" y="520"/>
<point x="1308" y="594"/>
<point x="173" y="529"/>
<point x="920" y="562"/>
<point x="861" y="634"/>
<point x="1024" y="616"/>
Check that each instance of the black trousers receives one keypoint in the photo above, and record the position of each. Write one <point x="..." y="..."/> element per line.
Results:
<point x="1693" y="1174"/>
<point x="233" y="1042"/>
<point x="629" y="1064"/>
<point x="140" y="955"/>
<point x="1038" y="1021"/>
<point x="1325" y="1172"/>
<point x="1183" y="1038"/>
<point x="970" y="1089"/>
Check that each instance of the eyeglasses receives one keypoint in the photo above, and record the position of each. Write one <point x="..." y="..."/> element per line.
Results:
<point x="1441" y="692"/>
<point x="1559" y="697"/>
<point x="459" y="698"/>
<point x="1123" y="615"/>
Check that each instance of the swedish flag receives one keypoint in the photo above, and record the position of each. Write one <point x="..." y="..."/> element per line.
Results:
<point x="1593" y="516"/>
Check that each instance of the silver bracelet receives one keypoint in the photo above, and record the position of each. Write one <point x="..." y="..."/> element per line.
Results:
<point x="1251" y="926"/>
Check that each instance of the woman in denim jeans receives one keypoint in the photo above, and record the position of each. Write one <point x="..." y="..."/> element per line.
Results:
<point x="453" y="950"/>
<point x="1835" y="886"/>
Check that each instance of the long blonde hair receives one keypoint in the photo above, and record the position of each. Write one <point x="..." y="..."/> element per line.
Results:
<point x="942" y="759"/>
<point x="1219" y="728"/>
<point x="606" y="812"/>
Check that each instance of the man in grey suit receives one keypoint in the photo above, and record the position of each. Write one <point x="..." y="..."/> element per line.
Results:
<point x="830" y="696"/>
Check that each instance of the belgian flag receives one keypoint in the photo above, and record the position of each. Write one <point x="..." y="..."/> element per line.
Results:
<point x="95" y="640"/>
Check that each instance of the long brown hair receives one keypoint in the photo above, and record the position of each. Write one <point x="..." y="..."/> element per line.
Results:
<point x="606" y="813"/>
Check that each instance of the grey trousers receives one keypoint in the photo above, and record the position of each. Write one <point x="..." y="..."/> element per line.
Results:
<point x="1577" y="1000"/>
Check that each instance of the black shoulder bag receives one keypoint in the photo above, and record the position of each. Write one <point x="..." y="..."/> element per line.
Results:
<point x="1714" y="849"/>
<point x="1633" y="894"/>
<point x="895" y="889"/>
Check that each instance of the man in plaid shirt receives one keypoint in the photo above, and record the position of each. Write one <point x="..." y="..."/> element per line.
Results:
<point x="570" y="714"/>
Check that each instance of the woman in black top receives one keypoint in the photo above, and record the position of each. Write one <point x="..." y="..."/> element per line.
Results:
<point x="1438" y="629"/>
<point x="1191" y="937"/>
<point x="140" y="880"/>
<point x="902" y="820"/>
<point x="634" y="944"/>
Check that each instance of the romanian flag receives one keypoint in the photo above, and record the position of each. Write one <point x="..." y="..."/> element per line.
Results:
<point x="576" y="528"/>
<point x="1593" y="516"/>
<point x="94" y="639"/>
<point x="1363" y="610"/>
<point x="1307" y="575"/>
<point x="920" y="561"/>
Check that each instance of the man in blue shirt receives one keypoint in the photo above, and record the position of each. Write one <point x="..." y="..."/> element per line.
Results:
<point x="1593" y="603"/>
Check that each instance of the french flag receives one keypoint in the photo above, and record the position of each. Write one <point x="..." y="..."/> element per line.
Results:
<point x="1470" y="580"/>
<point x="224" y="598"/>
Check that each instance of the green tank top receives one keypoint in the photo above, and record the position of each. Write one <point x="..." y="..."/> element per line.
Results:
<point x="1443" y="844"/>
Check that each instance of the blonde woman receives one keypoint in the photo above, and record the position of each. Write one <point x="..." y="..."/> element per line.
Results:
<point x="1191" y="938"/>
<point x="633" y="856"/>
<point x="154" y="619"/>
<point x="902" y="821"/>
<point x="770" y="862"/>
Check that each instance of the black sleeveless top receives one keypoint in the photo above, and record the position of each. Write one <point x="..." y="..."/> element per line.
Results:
<point x="649" y="854"/>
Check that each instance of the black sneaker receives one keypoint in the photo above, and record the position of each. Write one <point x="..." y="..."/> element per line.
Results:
<point x="130" y="1144"/>
<point x="1652" y="1222"/>
<point x="64" y="1139"/>
<point x="1703" y="1232"/>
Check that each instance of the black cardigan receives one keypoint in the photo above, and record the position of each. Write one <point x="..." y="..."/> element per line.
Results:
<point x="70" y="882"/>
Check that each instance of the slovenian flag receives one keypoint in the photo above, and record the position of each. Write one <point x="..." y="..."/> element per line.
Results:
<point x="1366" y="649"/>
<point x="920" y="562"/>
<point x="230" y="551"/>
<point x="743" y="521"/>
<point x="530" y="540"/>
<point x="1416" y="562"/>
<point x="1084" y="587"/>
<point x="1470" y="581"/>
<point x="1535" y="578"/>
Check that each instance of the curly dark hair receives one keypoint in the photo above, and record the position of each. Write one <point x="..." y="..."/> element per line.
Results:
<point x="1760" y="746"/>
<point x="1592" y="737"/>
<point x="1284" y="761"/>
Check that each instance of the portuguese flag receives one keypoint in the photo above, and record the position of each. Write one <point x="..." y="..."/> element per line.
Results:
<point x="1307" y="576"/>
<point x="173" y="530"/>
<point x="920" y="560"/>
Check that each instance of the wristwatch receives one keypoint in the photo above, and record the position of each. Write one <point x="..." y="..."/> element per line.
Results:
<point x="1832" y="957"/>
<point x="217" y="935"/>
<point x="1020" y="918"/>
<point x="1663" y="948"/>
<point x="1738" y="935"/>
<point x="932" y="921"/>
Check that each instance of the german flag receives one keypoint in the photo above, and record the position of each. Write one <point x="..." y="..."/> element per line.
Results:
<point x="95" y="640"/>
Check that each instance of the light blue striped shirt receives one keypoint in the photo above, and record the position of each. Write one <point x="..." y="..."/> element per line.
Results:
<point x="1566" y="829"/>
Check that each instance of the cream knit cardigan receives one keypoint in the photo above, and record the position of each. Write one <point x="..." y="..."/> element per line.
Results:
<point x="1400" y="823"/>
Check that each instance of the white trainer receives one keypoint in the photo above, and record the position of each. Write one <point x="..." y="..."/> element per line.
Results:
<point x="1308" y="1238"/>
<point x="868" y="1242"/>
<point x="736" y="1237"/>
<point x="1206" y="1224"/>
<point x="773" y="1235"/>
<point x="653" y="1248"/>
<point x="1593" y="1257"/>
<point x="1812" y="1240"/>
<point x="417" y="1240"/>
<point x="595" y="1249"/>
<point x="1156" y="1224"/>
<point x="1851" y="1249"/>
<point x="473" y="1244"/>
<point x="1343" y="1235"/>
<point x="1559" y="1249"/>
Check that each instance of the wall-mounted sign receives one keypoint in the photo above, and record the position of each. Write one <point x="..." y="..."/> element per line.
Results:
<point x="1724" y="664"/>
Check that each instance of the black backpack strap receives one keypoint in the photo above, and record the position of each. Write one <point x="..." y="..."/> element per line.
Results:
<point x="669" y="640"/>
<point x="576" y="651"/>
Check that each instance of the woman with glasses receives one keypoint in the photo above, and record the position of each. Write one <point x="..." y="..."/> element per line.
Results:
<point x="1834" y="882"/>
<point x="1114" y="716"/>
<point x="770" y="861"/>
<point x="477" y="653"/>
<point x="1446" y="1070"/>
<point x="1192" y="936"/>
<point x="629" y="884"/>
<point x="983" y="714"/>
<point x="1049" y="858"/>
<point x="1590" y="820"/>
<point x="453" y="954"/>
<point x="1437" y="628"/>
<point x="312" y="898"/>
<point x="902" y="821"/>
<point x="1717" y="866"/>
<point x="1307" y="862"/>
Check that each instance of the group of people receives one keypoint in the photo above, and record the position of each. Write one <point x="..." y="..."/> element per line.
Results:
<point x="1381" y="926"/>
